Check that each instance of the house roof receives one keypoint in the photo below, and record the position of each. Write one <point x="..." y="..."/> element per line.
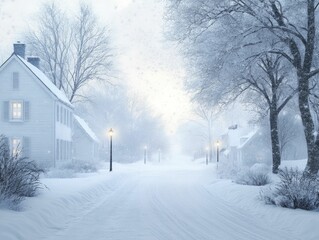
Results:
<point x="45" y="80"/>
<point x="86" y="128"/>
<point x="42" y="77"/>
<point x="246" y="139"/>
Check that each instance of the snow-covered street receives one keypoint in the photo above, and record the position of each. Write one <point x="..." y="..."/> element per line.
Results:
<point x="148" y="202"/>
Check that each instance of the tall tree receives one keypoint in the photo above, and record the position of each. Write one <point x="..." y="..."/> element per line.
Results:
<point x="270" y="82"/>
<point x="51" y="41"/>
<point x="290" y="25"/>
<point x="75" y="50"/>
<point x="206" y="116"/>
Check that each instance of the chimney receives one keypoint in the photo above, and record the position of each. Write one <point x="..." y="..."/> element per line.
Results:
<point x="19" y="49"/>
<point x="35" y="61"/>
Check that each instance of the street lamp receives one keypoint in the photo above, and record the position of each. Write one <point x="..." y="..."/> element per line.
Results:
<point x="207" y="155"/>
<point x="217" y="152"/>
<point x="145" y="149"/>
<point x="111" y="134"/>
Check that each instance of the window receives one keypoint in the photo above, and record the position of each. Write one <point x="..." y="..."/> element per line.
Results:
<point x="16" y="108"/>
<point x="15" y="80"/>
<point x="67" y="118"/>
<point x="64" y="116"/>
<point x="57" y="149"/>
<point x="57" y="113"/>
<point x="61" y="115"/>
<point x="16" y="146"/>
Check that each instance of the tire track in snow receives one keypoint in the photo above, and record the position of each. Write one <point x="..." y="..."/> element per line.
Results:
<point x="189" y="211"/>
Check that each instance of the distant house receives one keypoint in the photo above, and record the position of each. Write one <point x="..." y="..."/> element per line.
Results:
<point x="255" y="148"/>
<point x="86" y="144"/>
<point x="245" y="146"/>
<point x="35" y="115"/>
<point x="230" y="142"/>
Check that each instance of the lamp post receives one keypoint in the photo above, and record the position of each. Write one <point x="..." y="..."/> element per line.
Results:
<point x="159" y="155"/>
<point x="111" y="134"/>
<point x="145" y="149"/>
<point x="207" y="149"/>
<point x="217" y="152"/>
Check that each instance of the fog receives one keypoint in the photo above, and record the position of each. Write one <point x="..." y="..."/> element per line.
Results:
<point x="172" y="119"/>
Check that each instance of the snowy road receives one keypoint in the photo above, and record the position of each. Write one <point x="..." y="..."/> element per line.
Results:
<point x="165" y="204"/>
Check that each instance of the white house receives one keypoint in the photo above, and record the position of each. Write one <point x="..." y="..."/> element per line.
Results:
<point x="35" y="116"/>
<point x="86" y="144"/>
<point x="255" y="147"/>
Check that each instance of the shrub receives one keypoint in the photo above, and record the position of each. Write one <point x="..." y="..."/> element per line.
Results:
<point x="255" y="178"/>
<point x="295" y="190"/>
<point x="60" y="173"/>
<point x="81" y="166"/>
<point x="228" y="169"/>
<point x="19" y="177"/>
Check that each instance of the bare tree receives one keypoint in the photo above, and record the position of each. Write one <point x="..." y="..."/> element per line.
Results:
<point x="51" y="41"/>
<point x="75" y="50"/>
<point x="271" y="84"/>
<point x="287" y="131"/>
<point x="206" y="116"/>
<point x="290" y="25"/>
<point x="91" y="55"/>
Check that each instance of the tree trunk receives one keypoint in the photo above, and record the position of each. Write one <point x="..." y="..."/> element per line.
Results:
<point x="312" y="166"/>
<point x="276" y="157"/>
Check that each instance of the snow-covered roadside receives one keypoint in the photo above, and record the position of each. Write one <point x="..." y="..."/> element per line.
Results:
<point x="153" y="201"/>
<point x="63" y="201"/>
<point x="299" y="222"/>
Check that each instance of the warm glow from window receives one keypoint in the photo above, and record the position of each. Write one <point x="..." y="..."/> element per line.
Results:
<point x="16" y="110"/>
<point x="16" y="146"/>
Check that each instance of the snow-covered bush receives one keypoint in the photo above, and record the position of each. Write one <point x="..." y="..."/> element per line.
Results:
<point x="253" y="178"/>
<point x="60" y="173"/>
<point x="228" y="169"/>
<point x="257" y="175"/>
<point x="69" y="170"/>
<point x="295" y="190"/>
<point x="19" y="177"/>
<point x="82" y="166"/>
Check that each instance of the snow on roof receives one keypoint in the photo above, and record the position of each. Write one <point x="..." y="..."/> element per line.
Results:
<point x="245" y="139"/>
<point x="46" y="81"/>
<point x="86" y="128"/>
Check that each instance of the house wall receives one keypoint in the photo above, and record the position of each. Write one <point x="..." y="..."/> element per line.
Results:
<point x="47" y="131"/>
<point x="39" y="128"/>
<point x="84" y="148"/>
<point x="63" y="132"/>
<point x="257" y="150"/>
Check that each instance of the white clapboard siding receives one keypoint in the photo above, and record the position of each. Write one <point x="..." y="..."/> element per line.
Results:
<point x="26" y="147"/>
<point x="38" y="128"/>
<point x="26" y="112"/>
<point x="5" y="111"/>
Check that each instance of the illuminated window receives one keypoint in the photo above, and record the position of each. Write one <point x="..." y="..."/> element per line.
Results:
<point x="16" y="146"/>
<point x="17" y="110"/>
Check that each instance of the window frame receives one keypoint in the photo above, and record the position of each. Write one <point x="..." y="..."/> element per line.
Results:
<point x="16" y="148"/>
<point x="11" y="111"/>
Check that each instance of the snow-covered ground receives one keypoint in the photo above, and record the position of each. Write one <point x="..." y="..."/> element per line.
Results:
<point x="137" y="201"/>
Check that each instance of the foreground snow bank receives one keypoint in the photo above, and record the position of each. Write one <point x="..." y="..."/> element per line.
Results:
<point x="154" y="201"/>
<point x="60" y="201"/>
<point x="300" y="222"/>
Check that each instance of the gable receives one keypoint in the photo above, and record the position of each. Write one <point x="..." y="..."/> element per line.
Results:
<point x="85" y="128"/>
<point x="39" y="77"/>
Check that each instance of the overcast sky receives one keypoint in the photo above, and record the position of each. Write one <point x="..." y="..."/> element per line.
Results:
<point x="150" y="66"/>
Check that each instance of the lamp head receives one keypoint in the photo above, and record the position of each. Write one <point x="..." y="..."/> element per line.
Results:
<point x="111" y="132"/>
